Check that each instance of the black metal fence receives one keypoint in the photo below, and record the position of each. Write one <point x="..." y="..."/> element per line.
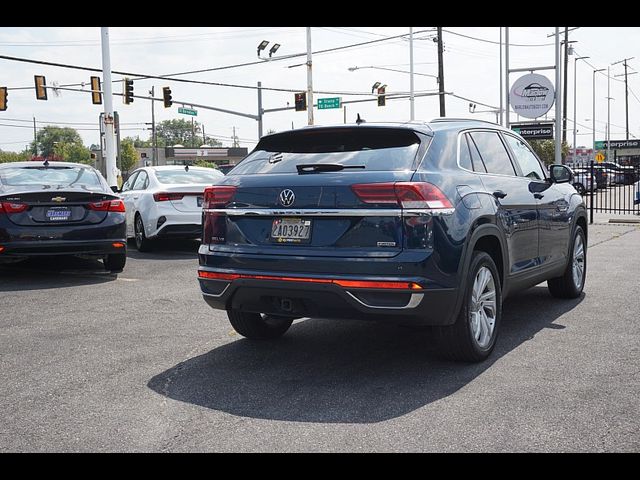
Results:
<point x="609" y="187"/>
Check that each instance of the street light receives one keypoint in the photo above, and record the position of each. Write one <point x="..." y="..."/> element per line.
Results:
<point x="594" y="108"/>
<point x="353" y="69"/>
<point x="575" y="83"/>
<point x="274" y="49"/>
<point x="375" y="85"/>
<point x="262" y="46"/>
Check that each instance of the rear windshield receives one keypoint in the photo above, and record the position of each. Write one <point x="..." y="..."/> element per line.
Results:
<point x="61" y="176"/>
<point x="188" y="176"/>
<point x="376" y="149"/>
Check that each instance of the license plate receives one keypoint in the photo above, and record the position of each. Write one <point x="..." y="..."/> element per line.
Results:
<point x="58" y="214"/>
<point x="291" y="230"/>
<point x="199" y="200"/>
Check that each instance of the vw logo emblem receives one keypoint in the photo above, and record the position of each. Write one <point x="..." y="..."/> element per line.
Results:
<point x="287" y="197"/>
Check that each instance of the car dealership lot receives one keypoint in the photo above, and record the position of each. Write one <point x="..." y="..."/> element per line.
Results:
<point x="139" y="362"/>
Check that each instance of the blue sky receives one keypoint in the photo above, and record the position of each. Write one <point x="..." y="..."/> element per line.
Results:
<point x="471" y="70"/>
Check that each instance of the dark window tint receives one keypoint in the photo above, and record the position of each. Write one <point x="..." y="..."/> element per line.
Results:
<point x="51" y="175"/>
<point x="183" y="176"/>
<point x="478" y="164"/>
<point x="374" y="148"/>
<point x="465" y="157"/>
<point x="493" y="153"/>
<point x="528" y="162"/>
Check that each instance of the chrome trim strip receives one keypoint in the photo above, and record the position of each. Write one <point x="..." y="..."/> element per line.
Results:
<point x="211" y="294"/>
<point x="354" y="212"/>
<point x="414" y="301"/>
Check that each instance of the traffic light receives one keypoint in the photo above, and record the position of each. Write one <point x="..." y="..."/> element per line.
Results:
<point x="41" y="87"/>
<point x="301" y="101"/>
<point x="166" y="95"/>
<point x="128" y="91"/>
<point x="382" y="101"/>
<point x="96" y="94"/>
<point x="3" y="99"/>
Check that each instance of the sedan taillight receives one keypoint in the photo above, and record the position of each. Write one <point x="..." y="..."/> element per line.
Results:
<point x="8" y="207"/>
<point x="107" y="206"/>
<point x="165" y="196"/>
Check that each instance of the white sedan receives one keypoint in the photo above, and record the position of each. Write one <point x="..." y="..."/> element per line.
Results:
<point x="165" y="201"/>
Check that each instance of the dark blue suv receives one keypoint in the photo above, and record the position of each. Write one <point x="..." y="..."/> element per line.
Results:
<point x="417" y="223"/>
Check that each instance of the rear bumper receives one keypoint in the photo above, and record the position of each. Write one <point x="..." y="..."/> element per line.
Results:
<point x="175" y="225"/>
<point x="62" y="247"/>
<point x="308" y="298"/>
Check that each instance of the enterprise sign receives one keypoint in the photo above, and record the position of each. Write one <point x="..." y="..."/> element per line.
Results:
<point x="535" y="131"/>
<point x="617" y="144"/>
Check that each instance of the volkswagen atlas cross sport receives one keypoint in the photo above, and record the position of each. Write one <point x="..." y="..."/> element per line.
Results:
<point x="418" y="224"/>
<point x="60" y="208"/>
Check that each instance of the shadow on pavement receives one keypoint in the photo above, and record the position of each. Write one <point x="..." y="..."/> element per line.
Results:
<point x="52" y="272"/>
<point x="166" y="249"/>
<point x="344" y="371"/>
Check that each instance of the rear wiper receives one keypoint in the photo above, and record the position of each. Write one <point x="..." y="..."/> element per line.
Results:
<point x="323" y="167"/>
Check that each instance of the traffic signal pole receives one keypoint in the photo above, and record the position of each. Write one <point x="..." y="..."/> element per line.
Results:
<point x="309" y="78"/>
<point x="109" y="137"/>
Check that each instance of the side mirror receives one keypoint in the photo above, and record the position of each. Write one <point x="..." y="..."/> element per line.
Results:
<point x="560" y="174"/>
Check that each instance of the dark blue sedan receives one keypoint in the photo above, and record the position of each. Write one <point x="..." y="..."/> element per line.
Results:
<point x="60" y="208"/>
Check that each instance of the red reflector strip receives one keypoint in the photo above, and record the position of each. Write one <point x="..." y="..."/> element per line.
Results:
<point x="342" y="283"/>
<point x="118" y="244"/>
<point x="1" y="249"/>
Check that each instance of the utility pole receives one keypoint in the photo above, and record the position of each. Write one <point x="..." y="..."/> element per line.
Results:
<point x="235" y="139"/>
<point x="575" y="97"/>
<point x="626" y="90"/>
<point x="608" y="115"/>
<point x="35" y="142"/>
<point x="506" y="77"/>
<point x="440" y="73"/>
<point x="564" y="101"/>
<point x="558" y="149"/>
<point x="594" y="111"/>
<point x="109" y="137"/>
<point x="411" y="98"/>
<point x="500" y="77"/>
<point x="309" y="79"/>
<point x="154" y="158"/>
<point x="260" y="112"/>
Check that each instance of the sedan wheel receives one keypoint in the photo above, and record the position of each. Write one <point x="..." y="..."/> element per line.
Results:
<point x="143" y="244"/>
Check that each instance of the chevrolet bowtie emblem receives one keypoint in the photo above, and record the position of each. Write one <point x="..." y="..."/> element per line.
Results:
<point x="58" y="199"/>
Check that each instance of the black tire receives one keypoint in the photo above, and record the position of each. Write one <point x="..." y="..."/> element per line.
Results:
<point x="143" y="244"/>
<point x="257" y="326"/>
<point x="566" y="286"/>
<point x="115" y="262"/>
<point x="458" y="341"/>
<point x="579" y="188"/>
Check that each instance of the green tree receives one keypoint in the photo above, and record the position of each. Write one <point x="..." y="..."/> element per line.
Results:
<point x="180" y="131"/>
<point x="14" y="156"/>
<point x="546" y="150"/>
<point x="204" y="163"/>
<point x="139" y="143"/>
<point x="128" y="154"/>
<point x="73" y="152"/>
<point x="48" y="136"/>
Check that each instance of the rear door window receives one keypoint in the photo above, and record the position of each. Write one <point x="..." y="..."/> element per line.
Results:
<point x="528" y="162"/>
<point x="493" y="153"/>
<point x="142" y="181"/>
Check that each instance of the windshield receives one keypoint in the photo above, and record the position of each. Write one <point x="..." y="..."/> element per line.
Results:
<point x="375" y="149"/>
<point x="188" y="176"/>
<point x="57" y="175"/>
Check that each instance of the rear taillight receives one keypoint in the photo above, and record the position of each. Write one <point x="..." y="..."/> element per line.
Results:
<point x="218" y="196"/>
<point x="8" y="207"/>
<point x="403" y="194"/>
<point x="166" y="196"/>
<point x="107" y="206"/>
<point x="214" y="225"/>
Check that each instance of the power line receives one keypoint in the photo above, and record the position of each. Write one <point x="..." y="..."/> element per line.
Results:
<point x="498" y="43"/>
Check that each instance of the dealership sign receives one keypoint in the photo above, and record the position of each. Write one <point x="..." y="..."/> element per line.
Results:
<point x="532" y="95"/>
<point x="533" y="131"/>
<point x="617" y="144"/>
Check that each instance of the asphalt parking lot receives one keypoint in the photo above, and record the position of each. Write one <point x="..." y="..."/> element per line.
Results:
<point x="138" y="362"/>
